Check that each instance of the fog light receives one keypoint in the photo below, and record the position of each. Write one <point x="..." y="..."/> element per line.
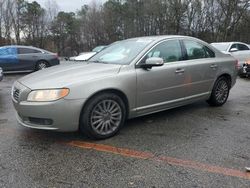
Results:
<point x="40" y="121"/>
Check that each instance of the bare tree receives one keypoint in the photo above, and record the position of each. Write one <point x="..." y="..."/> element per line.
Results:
<point x="7" y="21"/>
<point x="1" y="20"/>
<point x="232" y="11"/>
<point x="52" y="10"/>
<point x="96" y="24"/>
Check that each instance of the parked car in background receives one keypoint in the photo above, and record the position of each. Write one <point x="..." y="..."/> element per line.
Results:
<point x="71" y="58"/>
<point x="128" y="79"/>
<point x="99" y="48"/>
<point x="1" y="74"/>
<point x="26" y="58"/>
<point x="246" y="69"/>
<point x="87" y="55"/>
<point x="84" y="56"/>
<point x="238" y="50"/>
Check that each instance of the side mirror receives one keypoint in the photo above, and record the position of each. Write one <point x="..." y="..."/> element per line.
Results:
<point x="152" y="62"/>
<point x="233" y="50"/>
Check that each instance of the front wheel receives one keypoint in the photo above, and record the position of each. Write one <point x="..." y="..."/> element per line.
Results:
<point x="220" y="92"/>
<point x="103" y="116"/>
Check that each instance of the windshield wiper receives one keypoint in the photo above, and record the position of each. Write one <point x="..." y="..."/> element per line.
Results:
<point x="97" y="61"/>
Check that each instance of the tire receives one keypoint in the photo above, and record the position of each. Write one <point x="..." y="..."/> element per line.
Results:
<point x="220" y="92"/>
<point x="42" y="65"/>
<point x="103" y="116"/>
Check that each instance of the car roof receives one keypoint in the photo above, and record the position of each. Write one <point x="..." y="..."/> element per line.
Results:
<point x="101" y="46"/>
<point x="22" y="46"/>
<point x="160" y="37"/>
<point x="222" y="43"/>
<point x="229" y="42"/>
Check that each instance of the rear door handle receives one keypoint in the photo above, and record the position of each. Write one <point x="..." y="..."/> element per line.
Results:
<point x="179" y="71"/>
<point x="213" y="66"/>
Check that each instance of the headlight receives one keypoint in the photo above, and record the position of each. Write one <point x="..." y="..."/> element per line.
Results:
<point x="47" y="95"/>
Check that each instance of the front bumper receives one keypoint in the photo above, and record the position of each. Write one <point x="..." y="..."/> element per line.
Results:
<point x="54" y="62"/>
<point x="61" y="115"/>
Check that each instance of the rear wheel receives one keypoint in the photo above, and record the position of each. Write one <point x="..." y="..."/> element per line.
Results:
<point x="42" y="65"/>
<point x="220" y="92"/>
<point x="103" y="116"/>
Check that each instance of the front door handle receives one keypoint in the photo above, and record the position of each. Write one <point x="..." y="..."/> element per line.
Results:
<point x="213" y="66"/>
<point x="179" y="71"/>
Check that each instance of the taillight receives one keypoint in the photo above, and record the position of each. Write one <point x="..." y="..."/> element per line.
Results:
<point x="237" y="66"/>
<point x="56" y="55"/>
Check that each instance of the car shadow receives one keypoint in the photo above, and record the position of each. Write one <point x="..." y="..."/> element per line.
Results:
<point x="131" y="127"/>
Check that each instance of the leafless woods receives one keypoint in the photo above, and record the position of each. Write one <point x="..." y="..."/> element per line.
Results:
<point x="28" y="23"/>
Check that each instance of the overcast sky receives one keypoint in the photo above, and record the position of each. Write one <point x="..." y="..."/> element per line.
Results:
<point x="68" y="5"/>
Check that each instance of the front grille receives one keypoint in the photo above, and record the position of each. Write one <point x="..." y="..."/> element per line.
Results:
<point x="248" y="69"/>
<point x="16" y="94"/>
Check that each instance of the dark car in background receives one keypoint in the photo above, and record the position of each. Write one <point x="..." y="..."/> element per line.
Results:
<point x="246" y="69"/>
<point x="26" y="58"/>
<point x="1" y="74"/>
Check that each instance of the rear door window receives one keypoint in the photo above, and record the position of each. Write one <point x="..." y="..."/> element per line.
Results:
<point x="196" y="50"/>
<point x="27" y="51"/>
<point x="242" y="47"/>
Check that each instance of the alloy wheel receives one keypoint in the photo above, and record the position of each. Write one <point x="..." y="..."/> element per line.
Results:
<point x="221" y="92"/>
<point x="106" y="117"/>
<point x="42" y="65"/>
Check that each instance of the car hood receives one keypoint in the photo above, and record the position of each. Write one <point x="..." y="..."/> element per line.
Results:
<point x="85" y="56"/>
<point x="65" y="75"/>
<point x="225" y="52"/>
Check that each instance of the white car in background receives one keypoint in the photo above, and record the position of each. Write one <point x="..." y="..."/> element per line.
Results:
<point x="84" y="56"/>
<point x="87" y="55"/>
<point x="238" y="50"/>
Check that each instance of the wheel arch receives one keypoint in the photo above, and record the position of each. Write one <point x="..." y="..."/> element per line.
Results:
<point x="227" y="76"/>
<point x="41" y="60"/>
<point x="118" y="92"/>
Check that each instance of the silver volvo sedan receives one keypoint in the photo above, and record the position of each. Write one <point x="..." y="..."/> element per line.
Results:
<point x="130" y="78"/>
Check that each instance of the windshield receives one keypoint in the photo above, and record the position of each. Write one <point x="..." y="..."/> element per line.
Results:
<point x="98" y="48"/>
<point x="122" y="52"/>
<point x="221" y="46"/>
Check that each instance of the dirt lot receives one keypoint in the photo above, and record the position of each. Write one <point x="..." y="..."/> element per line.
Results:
<point x="192" y="146"/>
